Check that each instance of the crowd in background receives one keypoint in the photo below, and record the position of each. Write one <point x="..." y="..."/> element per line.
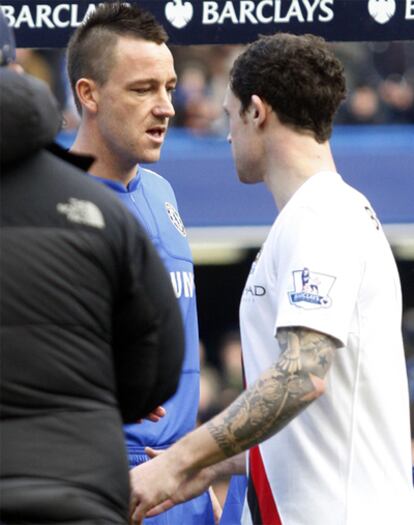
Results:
<point x="380" y="79"/>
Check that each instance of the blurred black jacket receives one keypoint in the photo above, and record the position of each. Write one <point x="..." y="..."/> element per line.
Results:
<point x="91" y="333"/>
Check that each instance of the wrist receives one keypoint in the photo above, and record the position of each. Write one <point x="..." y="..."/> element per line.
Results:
<point x="195" y="451"/>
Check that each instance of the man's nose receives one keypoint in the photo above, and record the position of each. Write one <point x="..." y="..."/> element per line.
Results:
<point x="164" y="107"/>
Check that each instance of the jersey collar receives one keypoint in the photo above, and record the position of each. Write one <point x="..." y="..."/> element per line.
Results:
<point x="118" y="186"/>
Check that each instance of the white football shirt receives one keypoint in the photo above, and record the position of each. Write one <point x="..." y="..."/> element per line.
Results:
<point x="326" y="265"/>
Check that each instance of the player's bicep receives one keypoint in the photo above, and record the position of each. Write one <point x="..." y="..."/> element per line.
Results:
<point x="305" y="351"/>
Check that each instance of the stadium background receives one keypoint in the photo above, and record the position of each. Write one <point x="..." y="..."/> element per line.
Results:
<point x="373" y="144"/>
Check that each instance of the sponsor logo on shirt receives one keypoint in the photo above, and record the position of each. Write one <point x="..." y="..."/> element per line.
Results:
<point x="255" y="290"/>
<point x="82" y="212"/>
<point x="183" y="284"/>
<point x="175" y="218"/>
<point x="311" y="289"/>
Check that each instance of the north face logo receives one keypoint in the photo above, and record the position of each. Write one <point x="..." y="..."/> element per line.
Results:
<point x="82" y="212"/>
<point x="381" y="10"/>
<point x="179" y="13"/>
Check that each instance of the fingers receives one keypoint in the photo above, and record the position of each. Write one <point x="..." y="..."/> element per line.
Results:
<point x="153" y="417"/>
<point x="162" y="507"/>
<point x="160" y="411"/>
<point x="135" y="521"/>
<point x="150" y="452"/>
<point x="156" y="414"/>
<point x="137" y="516"/>
<point x="142" y="512"/>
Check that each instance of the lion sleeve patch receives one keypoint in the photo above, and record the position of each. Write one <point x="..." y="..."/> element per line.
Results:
<point x="311" y="289"/>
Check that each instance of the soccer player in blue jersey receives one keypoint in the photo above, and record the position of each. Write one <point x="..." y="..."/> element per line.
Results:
<point x="122" y="75"/>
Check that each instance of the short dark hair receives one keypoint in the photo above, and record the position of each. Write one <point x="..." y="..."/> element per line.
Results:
<point x="90" y="51"/>
<point x="298" y="76"/>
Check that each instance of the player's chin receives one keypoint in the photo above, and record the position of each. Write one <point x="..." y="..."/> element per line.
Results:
<point x="152" y="155"/>
<point x="248" y="174"/>
<point x="246" y="178"/>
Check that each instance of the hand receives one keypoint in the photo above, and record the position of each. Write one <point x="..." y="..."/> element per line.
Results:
<point x="155" y="486"/>
<point x="199" y="483"/>
<point x="155" y="415"/>
<point x="151" y="483"/>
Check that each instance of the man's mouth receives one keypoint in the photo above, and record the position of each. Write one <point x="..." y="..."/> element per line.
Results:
<point x="157" y="133"/>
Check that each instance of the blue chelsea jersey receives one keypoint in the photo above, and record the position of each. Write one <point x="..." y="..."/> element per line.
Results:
<point x="151" y="199"/>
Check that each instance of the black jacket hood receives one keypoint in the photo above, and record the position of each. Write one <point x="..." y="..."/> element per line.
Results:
<point x="29" y="116"/>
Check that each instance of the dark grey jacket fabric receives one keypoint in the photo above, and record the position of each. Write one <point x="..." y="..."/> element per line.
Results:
<point x="91" y="333"/>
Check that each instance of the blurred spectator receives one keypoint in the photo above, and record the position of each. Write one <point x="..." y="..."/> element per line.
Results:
<point x="231" y="366"/>
<point x="203" y="73"/>
<point x="195" y="109"/>
<point x="398" y="95"/>
<point x="210" y="388"/>
<point x="49" y="65"/>
<point x="363" y="106"/>
<point x="219" y="388"/>
<point x="380" y="79"/>
<point x="389" y="58"/>
<point x="34" y="64"/>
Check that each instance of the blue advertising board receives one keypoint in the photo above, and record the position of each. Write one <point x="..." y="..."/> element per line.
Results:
<point x="48" y="24"/>
<point x="377" y="160"/>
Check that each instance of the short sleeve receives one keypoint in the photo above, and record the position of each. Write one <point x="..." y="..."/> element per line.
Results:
<point x="318" y="269"/>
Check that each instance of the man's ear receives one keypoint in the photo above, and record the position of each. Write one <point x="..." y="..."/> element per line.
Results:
<point x="259" y="110"/>
<point x="87" y="93"/>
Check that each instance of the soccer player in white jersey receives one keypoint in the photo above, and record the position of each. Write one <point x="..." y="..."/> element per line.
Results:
<point x="325" y="415"/>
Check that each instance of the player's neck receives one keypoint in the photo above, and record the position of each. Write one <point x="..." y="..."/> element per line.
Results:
<point x="107" y="164"/>
<point x="293" y="163"/>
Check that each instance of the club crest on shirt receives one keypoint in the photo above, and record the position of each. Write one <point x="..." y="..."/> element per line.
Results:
<point x="311" y="289"/>
<point x="175" y="218"/>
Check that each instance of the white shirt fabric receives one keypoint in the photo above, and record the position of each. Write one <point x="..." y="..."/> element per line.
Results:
<point x="326" y="265"/>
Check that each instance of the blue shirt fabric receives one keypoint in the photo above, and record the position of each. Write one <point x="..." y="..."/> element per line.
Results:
<point x="152" y="201"/>
<point x="233" y="506"/>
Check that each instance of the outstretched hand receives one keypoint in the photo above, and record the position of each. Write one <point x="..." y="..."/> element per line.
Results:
<point x="156" y="485"/>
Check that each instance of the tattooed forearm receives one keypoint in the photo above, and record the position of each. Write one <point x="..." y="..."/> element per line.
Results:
<point x="280" y="393"/>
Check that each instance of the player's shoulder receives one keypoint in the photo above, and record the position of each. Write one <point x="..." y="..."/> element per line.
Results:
<point x="331" y="194"/>
<point x="150" y="177"/>
<point x="156" y="186"/>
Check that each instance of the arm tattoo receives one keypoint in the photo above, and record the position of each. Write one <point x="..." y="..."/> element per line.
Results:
<point x="280" y="393"/>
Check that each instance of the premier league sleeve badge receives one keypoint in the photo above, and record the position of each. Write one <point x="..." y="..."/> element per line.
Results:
<point x="311" y="289"/>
